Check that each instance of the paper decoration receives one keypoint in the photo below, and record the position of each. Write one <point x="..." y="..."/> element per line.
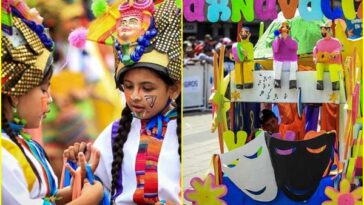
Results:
<point x="334" y="13"/>
<point x="261" y="29"/>
<point x="215" y="8"/>
<point x="232" y="142"/>
<point x="198" y="10"/>
<point x="343" y="196"/>
<point x="269" y="12"/>
<point x="313" y="13"/>
<point x="239" y="7"/>
<point x="288" y="9"/>
<point x="250" y="168"/>
<point x="218" y="99"/>
<point x="205" y="191"/>
<point x="355" y="103"/>
<point x="360" y="10"/>
<point x="349" y="9"/>
<point x="264" y="90"/>
<point x="351" y="47"/>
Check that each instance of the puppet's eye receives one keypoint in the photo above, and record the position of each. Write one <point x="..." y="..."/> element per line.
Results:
<point x="316" y="150"/>
<point x="285" y="151"/>
<point x="255" y="155"/>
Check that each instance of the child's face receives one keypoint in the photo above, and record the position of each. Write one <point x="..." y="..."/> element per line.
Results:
<point x="34" y="105"/>
<point x="146" y="94"/>
<point x="271" y="125"/>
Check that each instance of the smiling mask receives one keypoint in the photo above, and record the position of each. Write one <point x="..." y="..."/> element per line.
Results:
<point x="250" y="168"/>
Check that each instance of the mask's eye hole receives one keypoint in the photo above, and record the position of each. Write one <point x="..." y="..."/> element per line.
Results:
<point x="316" y="150"/>
<point x="233" y="164"/>
<point x="255" y="155"/>
<point x="285" y="151"/>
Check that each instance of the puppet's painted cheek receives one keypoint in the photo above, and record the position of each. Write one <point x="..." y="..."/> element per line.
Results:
<point x="285" y="151"/>
<point x="316" y="150"/>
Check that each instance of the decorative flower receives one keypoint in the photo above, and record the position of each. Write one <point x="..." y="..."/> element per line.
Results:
<point x="218" y="99"/>
<point x="235" y="95"/>
<point x="333" y="97"/>
<point x="344" y="196"/>
<point x="205" y="191"/>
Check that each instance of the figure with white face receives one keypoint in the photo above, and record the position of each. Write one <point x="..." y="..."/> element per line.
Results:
<point x="249" y="168"/>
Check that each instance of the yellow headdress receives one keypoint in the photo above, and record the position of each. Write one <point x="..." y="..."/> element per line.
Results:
<point x="26" y="50"/>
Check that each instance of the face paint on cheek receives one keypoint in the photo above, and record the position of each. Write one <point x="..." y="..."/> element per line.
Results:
<point x="44" y="104"/>
<point x="150" y="99"/>
<point x="127" y="96"/>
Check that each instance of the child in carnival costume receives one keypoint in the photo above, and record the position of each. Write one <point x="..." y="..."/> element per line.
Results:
<point x="140" y="160"/>
<point x="244" y="70"/>
<point x="284" y="52"/>
<point x="26" y="73"/>
<point x="326" y="55"/>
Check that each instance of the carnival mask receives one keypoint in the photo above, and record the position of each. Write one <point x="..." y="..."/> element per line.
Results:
<point x="300" y="165"/>
<point x="129" y="28"/>
<point x="250" y="168"/>
<point x="134" y="21"/>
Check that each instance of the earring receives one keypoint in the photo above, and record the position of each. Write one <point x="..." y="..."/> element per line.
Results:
<point x="16" y="117"/>
<point x="173" y="102"/>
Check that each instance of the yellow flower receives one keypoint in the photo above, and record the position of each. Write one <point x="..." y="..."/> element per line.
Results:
<point x="205" y="191"/>
<point x="344" y="196"/>
<point x="235" y="95"/>
<point x="333" y="97"/>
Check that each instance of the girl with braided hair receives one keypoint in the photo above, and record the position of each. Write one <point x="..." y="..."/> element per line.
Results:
<point x="26" y="73"/>
<point x="140" y="152"/>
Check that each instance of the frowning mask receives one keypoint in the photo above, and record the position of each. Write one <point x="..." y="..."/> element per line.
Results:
<point x="250" y="168"/>
<point x="300" y="165"/>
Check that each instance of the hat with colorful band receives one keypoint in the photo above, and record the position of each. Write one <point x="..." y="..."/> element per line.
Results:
<point x="26" y="49"/>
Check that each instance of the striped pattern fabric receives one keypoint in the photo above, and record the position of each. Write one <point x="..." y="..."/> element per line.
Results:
<point x="46" y="171"/>
<point x="146" y="165"/>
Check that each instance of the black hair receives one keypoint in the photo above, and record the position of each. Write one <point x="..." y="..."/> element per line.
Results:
<point x="6" y="126"/>
<point x="265" y="115"/>
<point x="124" y="129"/>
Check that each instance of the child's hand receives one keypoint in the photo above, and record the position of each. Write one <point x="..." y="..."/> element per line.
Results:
<point x="92" y="190"/>
<point x="92" y="155"/>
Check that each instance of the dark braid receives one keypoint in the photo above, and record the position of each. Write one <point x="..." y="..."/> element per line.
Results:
<point x="6" y="127"/>
<point x="117" y="147"/>
<point x="178" y="108"/>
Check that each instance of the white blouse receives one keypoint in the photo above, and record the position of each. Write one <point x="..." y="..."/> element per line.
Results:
<point x="14" y="185"/>
<point x="168" y="163"/>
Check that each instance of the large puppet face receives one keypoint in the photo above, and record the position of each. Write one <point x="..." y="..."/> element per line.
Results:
<point x="134" y="20"/>
<point x="129" y="28"/>
<point x="250" y="168"/>
<point x="300" y="165"/>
